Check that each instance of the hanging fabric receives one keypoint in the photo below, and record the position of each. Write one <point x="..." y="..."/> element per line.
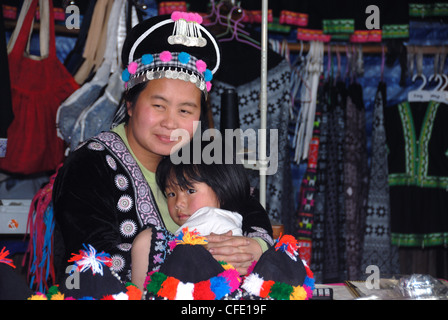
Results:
<point x="377" y="248"/>
<point x="240" y="61"/>
<point x="335" y="233"/>
<point x="417" y="141"/>
<point x="308" y="188"/>
<point x="40" y="227"/>
<point x="355" y="178"/>
<point x="96" y="42"/>
<point x="74" y="59"/>
<point x="39" y="84"/>
<point x="328" y="236"/>
<point x="6" y="114"/>
<point x="318" y="223"/>
<point x="313" y="70"/>
<point x="418" y="175"/>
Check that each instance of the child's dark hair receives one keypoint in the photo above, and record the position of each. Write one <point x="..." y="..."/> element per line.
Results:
<point x="228" y="181"/>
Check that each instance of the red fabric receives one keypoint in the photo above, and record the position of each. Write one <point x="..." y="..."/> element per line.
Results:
<point x="38" y="87"/>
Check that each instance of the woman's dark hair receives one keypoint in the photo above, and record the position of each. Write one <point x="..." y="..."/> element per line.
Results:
<point x="132" y="95"/>
<point x="228" y="181"/>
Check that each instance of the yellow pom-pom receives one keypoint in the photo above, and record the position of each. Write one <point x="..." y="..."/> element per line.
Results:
<point x="299" y="293"/>
<point x="58" y="296"/>
<point x="38" y="296"/>
<point x="190" y="237"/>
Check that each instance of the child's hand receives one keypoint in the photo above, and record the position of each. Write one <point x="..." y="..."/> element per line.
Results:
<point x="240" y="252"/>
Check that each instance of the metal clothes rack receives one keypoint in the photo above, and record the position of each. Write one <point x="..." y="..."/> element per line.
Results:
<point x="263" y="164"/>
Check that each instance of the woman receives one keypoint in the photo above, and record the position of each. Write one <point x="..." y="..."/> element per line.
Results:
<point x="106" y="193"/>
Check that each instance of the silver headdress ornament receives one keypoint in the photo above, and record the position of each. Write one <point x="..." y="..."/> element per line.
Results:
<point x="178" y="64"/>
<point x="186" y="30"/>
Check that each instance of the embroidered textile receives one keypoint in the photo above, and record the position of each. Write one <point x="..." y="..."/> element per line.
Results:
<point x="378" y="249"/>
<point x="417" y="141"/>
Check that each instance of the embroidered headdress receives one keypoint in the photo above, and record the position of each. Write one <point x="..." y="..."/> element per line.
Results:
<point x="173" y="47"/>
<point x="90" y="278"/>
<point x="12" y="285"/>
<point x="191" y="273"/>
<point x="280" y="274"/>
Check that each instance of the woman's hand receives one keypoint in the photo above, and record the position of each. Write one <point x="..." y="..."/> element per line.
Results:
<point x="238" y="251"/>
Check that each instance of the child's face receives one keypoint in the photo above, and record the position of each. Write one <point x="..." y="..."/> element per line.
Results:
<point x="183" y="203"/>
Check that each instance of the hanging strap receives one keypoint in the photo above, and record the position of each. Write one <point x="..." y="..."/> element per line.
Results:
<point x="19" y="42"/>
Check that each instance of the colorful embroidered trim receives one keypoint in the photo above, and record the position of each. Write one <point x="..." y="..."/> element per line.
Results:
<point x="362" y="36"/>
<point x="293" y="18"/>
<point x="257" y="286"/>
<point x="424" y="10"/>
<point x="214" y="288"/>
<point x="331" y="26"/>
<point x="171" y="65"/>
<point x="419" y="240"/>
<point x="312" y="35"/>
<point x="254" y="16"/>
<point x="394" y="31"/>
<point x="132" y="293"/>
<point x="416" y="150"/>
<point x="168" y="7"/>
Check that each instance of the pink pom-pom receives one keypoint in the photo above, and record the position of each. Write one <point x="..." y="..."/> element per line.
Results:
<point x="251" y="267"/>
<point x="191" y="17"/>
<point x="201" y="65"/>
<point x="309" y="292"/>
<point x="132" y="67"/>
<point x="176" y="15"/>
<point x="233" y="278"/>
<point x="198" y="18"/>
<point x="208" y="85"/>
<point x="165" y="56"/>
<point x="184" y="15"/>
<point x="172" y="244"/>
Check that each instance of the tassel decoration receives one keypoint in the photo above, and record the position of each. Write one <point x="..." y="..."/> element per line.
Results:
<point x="90" y="259"/>
<point x="3" y="254"/>
<point x="190" y="237"/>
<point x="187" y="30"/>
<point x="289" y="245"/>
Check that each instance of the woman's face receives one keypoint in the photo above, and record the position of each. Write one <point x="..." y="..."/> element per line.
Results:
<point x="162" y="107"/>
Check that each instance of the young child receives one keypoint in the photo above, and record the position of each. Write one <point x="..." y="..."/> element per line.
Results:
<point x="205" y="197"/>
<point x="208" y="198"/>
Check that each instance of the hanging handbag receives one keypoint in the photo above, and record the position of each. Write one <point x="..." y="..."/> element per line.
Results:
<point x="38" y="84"/>
<point x="73" y="107"/>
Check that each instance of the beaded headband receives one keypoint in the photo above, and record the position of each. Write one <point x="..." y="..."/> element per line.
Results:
<point x="183" y="64"/>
